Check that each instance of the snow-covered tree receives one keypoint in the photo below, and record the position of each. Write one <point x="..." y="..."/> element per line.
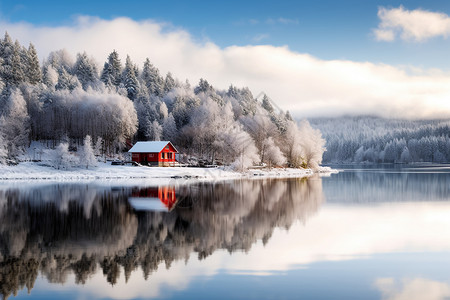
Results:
<point x="246" y="152"/>
<point x="169" y="83"/>
<point x="154" y="131"/>
<point x="60" y="59"/>
<point x="15" y="123"/>
<point x="33" y="71"/>
<point x="273" y="155"/>
<point x="3" y="144"/>
<point x="66" y="81"/>
<point x="183" y="107"/>
<point x="405" y="157"/>
<point x="112" y="70"/>
<point x="438" y="157"/>
<point x="85" y="70"/>
<point x="129" y="79"/>
<point x="203" y="87"/>
<point x="267" y="105"/>
<point x="13" y="67"/>
<point x="98" y="150"/>
<point x="163" y="111"/>
<point x="152" y="79"/>
<point x="50" y="76"/>
<point x="260" y="127"/>
<point x="312" y="144"/>
<point x="359" y="154"/>
<point x="62" y="158"/>
<point x="87" y="156"/>
<point x="169" y="128"/>
<point x="288" y="116"/>
<point x="292" y="148"/>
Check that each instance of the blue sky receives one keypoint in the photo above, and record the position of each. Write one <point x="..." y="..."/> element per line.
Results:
<point x="326" y="29"/>
<point x="386" y="58"/>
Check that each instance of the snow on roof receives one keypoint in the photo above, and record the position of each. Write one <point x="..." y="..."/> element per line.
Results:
<point x="150" y="147"/>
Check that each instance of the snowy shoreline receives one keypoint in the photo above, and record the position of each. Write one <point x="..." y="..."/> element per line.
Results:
<point x="31" y="171"/>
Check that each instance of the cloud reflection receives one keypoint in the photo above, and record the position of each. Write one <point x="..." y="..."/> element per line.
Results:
<point x="412" y="289"/>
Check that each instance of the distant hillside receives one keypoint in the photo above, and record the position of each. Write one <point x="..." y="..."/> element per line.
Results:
<point x="378" y="140"/>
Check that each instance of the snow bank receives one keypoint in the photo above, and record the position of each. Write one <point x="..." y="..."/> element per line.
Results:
<point x="106" y="171"/>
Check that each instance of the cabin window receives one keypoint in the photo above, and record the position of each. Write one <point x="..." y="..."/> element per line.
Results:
<point x="170" y="155"/>
<point x="162" y="155"/>
<point x="167" y="147"/>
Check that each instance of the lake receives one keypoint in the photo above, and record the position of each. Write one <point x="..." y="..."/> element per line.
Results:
<point x="368" y="232"/>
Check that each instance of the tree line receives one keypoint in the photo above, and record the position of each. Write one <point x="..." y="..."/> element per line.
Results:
<point x="378" y="140"/>
<point x="64" y="100"/>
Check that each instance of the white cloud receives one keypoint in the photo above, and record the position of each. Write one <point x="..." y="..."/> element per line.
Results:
<point x="260" y="37"/>
<point x="412" y="25"/>
<point x="283" y="21"/>
<point x="304" y="84"/>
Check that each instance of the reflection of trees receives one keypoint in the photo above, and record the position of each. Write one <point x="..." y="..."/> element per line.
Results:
<point x="381" y="185"/>
<point x="83" y="228"/>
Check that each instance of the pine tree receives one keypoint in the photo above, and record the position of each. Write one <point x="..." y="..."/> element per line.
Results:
<point x="203" y="87"/>
<point x="13" y="68"/>
<point x="288" y="116"/>
<point x="267" y="105"/>
<point x="129" y="79"/>
<point x="169" y="128"/>
<point x="66" y="81"/>
<point x="99" y="147"/>
<point x="18" y="65"/>
<point x="169" y="83"/>
<point x="5" y="45"/>
<point x="33" y="73"/>
<point x="112" y="70"/>
<point x="233" y="92"/>
<point x="152" y="79"/>
<point x="85" y="70"/>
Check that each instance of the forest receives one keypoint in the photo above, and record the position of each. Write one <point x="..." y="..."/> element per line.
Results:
<point x="378" y="140"/>
<point x="78" y="111"/>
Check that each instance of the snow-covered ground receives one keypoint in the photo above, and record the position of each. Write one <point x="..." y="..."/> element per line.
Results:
<point x="106" y="171"/>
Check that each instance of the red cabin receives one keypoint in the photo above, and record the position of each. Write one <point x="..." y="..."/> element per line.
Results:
<point x="156" y="153"/>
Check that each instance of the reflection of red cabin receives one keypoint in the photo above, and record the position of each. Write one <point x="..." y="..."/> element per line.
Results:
<point x="160" y="198"/>
<point x="156" y="153"/>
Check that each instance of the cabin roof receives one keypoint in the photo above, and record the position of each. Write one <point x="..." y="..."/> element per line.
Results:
<point x="150" y="147"/>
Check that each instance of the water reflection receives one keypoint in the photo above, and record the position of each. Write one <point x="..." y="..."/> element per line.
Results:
<point x="389" y="184"/>
<point x="59" y="230"/>
<point x="161" y="198"/>
<point x="412" y="289"/>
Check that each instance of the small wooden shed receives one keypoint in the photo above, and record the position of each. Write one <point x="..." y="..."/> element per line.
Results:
<point x="155" y="153"/>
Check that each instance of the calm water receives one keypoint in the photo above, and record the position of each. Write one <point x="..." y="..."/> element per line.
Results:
<point x="365" y="233"/>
